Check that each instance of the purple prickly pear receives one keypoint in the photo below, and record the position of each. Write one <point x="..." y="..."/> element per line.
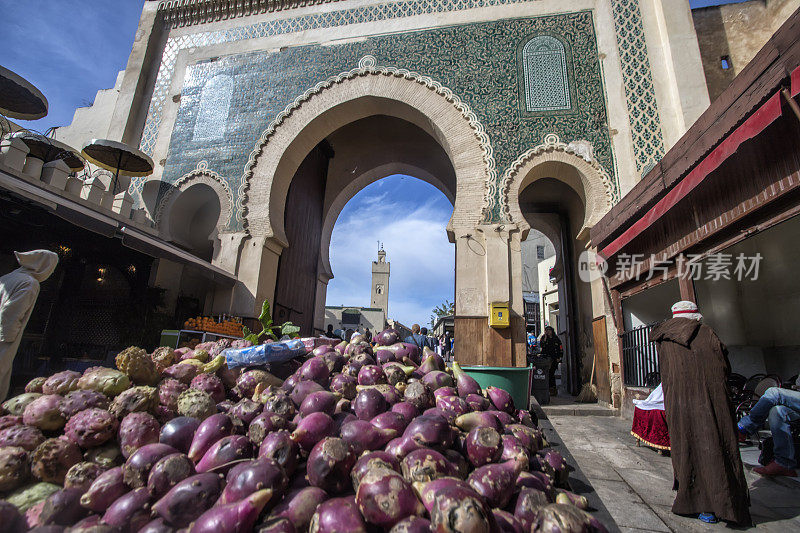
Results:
<point x="251" y="476"/>
<point x="465" y="383"/>
<point x="91" y="427"/>
<point x="108" y="486"/>
<point x="501" y="399"/>
<point x="136" y="430"/>
<point x="210" y="384"/>
<point x="189" y="499"/>
<point x="224" y="452"/>
<point x="237" y="517"/>
<point x="168" y="472"/>
<point x="210" y="431"/>
<point x="280" y="446"/>
<point x="179" y="433"/>
<point x="130" y="511"/>
<point x="138" y="465"/>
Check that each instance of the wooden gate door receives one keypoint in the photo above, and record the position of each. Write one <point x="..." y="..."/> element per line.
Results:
<point x="601" y="359"/>
<point x="295" y="290"/>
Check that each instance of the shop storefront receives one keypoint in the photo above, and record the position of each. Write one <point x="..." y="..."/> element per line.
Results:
<point x="715" y="222"/>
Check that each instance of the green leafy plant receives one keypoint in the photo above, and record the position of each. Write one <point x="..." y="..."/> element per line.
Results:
<point x="266" y="324"/>
<point x="446" y="308"/>
<point x="290" y="329"/>
<point x="265" y="318"/>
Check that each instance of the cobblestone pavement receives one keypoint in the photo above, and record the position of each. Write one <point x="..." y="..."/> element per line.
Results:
<point x="635" y="483"/>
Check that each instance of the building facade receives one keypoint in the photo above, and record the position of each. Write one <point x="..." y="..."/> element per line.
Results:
<point x="265" y="118"/>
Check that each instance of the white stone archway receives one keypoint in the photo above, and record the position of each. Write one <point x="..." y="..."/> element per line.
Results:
<point x="199" y="176"/>
<point x="365" y="91"/>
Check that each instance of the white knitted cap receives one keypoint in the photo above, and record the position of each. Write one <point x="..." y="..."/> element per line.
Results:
<point x="686" y="309"/>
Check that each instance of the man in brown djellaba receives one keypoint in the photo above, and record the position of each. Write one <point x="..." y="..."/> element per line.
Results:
<point x="705" y="453"/>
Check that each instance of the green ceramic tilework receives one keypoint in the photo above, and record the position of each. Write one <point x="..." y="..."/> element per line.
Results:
<point x="479" y="62"/>
<point x="648" y="143"/>
<point x="330" y="19"/>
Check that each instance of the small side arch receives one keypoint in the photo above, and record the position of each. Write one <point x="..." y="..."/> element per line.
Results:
<point x="572" y="164"/>
<point x="199" y="176"/>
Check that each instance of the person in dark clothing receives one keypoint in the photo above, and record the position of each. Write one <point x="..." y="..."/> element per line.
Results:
<point x="550" y="348"/>
<point x="707" y="467"/>
<point x="368" y="335"/>
<point x="429" y="341"/>
<point x="446" y="345"/>
<point x="330" y="333"/>
<point x="416" y="337"/>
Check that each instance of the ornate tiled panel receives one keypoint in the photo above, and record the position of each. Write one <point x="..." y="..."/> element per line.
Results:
<point x="648" y="143"/>
<point x="479" y="62"/>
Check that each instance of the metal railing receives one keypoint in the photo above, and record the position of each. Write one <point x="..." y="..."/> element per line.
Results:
<point x="639" y="357"/>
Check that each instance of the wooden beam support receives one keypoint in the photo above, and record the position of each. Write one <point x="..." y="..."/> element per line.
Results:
<point x="686" y="286"/>
<point x="792" y="104"/>
<point x="720" y="223"/>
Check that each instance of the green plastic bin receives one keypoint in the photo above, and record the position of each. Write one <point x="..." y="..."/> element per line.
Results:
<point x="170" y="337"/>
<point x="515" y="380"/>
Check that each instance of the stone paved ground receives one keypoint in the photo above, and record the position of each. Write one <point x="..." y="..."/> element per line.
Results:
<point x="635" y="483"/>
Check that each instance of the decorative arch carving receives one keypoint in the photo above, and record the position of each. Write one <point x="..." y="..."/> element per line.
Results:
<point x="598" y="190"/>
<point x="368" y="68"/>
<point x="201" y="174"/>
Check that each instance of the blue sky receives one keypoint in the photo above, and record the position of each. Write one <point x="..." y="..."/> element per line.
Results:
<point x="70" y="49"/>
<point x="409" y="217"/>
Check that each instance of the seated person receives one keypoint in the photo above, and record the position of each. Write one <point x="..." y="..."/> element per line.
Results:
<point x="779" y="406"/>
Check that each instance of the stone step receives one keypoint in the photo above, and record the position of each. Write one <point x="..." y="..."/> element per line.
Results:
<point x="568" y="407"/>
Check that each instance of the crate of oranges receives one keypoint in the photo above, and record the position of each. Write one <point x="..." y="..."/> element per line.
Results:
<point x="228" y="326"/>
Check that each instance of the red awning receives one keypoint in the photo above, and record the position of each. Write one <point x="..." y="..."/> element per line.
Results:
<point x="796" y="82"/>
<point x="755" y="124"/>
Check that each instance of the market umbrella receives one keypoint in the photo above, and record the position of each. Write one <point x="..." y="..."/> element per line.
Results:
<point x="48" y="149"/>
<point x="118" y="157"/>
<point x="19" y="98"/>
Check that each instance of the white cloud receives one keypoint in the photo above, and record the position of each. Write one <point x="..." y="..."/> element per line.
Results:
<point x="421" y="257"/>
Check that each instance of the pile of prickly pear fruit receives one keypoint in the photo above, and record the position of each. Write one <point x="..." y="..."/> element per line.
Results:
<point x="358" y="437"/>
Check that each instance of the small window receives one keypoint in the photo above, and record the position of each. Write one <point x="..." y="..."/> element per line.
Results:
<point x="726" y="62"/>
<point x="379" y="289"/>
<point x="544" y="67"/>
<point x="540" y="252"/>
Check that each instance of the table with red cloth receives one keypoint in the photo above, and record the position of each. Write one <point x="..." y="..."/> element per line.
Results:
<point x="650" y="427"/>
<point x="650" y="421"/>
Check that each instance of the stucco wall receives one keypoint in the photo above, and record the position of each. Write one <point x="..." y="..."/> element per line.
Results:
<point x="369" y="318"/>
<point x="737" y="31"/>
<point x="530" y="259"/>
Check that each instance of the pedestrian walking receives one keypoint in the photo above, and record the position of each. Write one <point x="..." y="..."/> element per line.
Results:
<point x="429" y="341"/>
<point x="18" y="292"/>
<point x="416" y="337"/>
<point x="550" y="346"/>
<point x="707" y="468"/>
<point x="445" y="344"/>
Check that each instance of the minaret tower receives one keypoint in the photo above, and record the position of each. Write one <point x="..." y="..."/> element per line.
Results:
<point x="380" y="283"/>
